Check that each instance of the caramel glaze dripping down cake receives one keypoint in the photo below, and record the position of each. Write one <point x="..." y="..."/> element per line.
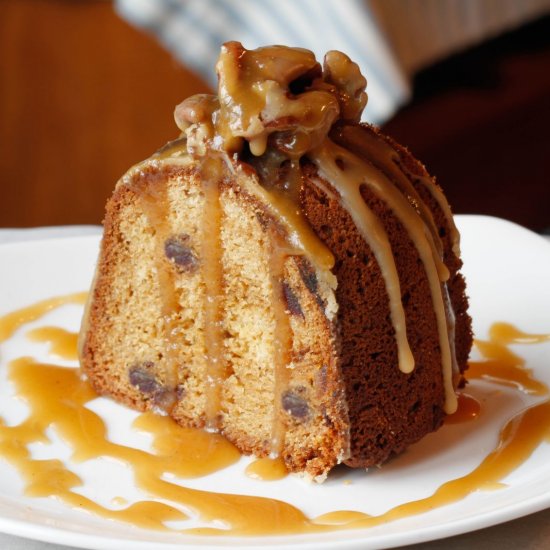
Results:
<point x="282" y="273"/>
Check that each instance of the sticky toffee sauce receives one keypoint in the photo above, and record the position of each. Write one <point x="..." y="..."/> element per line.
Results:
<point x="57" y="396"/>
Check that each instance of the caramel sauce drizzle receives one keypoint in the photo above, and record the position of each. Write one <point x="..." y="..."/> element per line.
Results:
<point x="283" y="197"/>
<point x="350" y="173"/>
<point x="441" y="199"/>
<point x="505" y="333"/>
<point x="282" y="344"/>
<point x="155" y="203"/>
<point x="518" y="439"/>
<point x="13" y="321"/>
<point x="186" y="453"/>
<point x="379" y="153"/>
<point x="385" y="158"/>
<point x="267" y="469"/>
<point x="282" y="332"/>
<point x="63" y="343"/>
<point x="372" y="230"/>
<point x="502" y="365"/>
<point x="212" y="173"/>
<point x="468" y="409"/>
<point x="386" y="151"/>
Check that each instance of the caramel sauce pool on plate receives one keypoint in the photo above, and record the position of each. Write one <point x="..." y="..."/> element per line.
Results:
<point x="187" y="453"/>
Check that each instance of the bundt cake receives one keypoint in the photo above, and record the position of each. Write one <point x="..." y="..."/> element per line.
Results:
<point x="282" y="273"/>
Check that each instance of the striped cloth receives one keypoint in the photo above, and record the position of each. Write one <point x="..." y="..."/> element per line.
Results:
<point x="193" y="30"/>
<point x="389" y="39"/>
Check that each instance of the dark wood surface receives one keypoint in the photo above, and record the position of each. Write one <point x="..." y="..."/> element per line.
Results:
<point x="83" y="96"/>
<point x="480" y="121"/>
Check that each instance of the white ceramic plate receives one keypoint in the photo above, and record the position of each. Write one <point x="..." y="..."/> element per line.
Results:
<point x="508" y="274"/>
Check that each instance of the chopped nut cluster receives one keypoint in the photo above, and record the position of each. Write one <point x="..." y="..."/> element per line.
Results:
<point x="274" y="97"/>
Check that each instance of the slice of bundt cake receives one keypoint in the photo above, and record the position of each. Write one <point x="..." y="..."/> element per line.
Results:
<point x="281" y="273"/>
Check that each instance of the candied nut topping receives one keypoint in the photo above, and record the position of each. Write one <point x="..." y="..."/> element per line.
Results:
<point x="273" y="93"/>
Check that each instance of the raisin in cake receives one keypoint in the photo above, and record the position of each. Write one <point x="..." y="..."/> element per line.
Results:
<point x="282" y="273"/>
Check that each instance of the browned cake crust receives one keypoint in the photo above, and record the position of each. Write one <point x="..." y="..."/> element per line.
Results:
<point x="388" y="410"/>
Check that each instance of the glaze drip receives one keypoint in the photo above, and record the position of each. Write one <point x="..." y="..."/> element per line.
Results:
<point x="349" y="173"/>
<point x="282" y="344"/>
<point x="212" y="173"/>
<point x="328" y="159"/>
<point x="155" y="203"/>
<point x="380" y="154"/>
<point x="189" y="453"/>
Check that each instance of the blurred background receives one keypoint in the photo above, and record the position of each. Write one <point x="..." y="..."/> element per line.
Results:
<point x="87" y="88"/>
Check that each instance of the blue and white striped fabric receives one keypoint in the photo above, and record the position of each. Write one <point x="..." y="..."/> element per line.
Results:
<point x="193" y="30"/>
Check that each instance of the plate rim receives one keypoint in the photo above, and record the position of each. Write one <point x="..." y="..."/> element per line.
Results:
<point x="355" y="539"/>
